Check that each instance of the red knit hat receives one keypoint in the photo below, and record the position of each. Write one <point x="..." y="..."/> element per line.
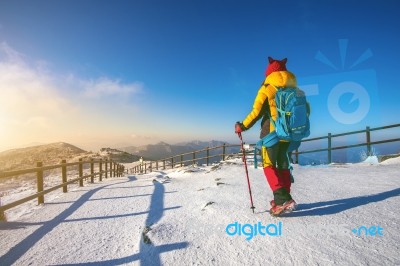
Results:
<point x="275" y="65"/>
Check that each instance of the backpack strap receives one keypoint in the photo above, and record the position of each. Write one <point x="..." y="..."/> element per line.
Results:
<point x="255" y="156"/>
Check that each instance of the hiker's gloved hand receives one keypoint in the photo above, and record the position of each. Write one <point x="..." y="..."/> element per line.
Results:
<point x="239" y="127"/>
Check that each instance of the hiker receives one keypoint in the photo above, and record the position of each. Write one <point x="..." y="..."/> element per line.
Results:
<point x="275" y="158"/>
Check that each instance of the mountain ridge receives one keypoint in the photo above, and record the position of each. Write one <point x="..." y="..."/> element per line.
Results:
<point x="54" y="153"/>
<point x="163" y="150"/>
<point x="27" y="157"/>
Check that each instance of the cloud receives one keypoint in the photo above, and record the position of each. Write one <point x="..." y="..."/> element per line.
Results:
<point x="142" y="137"/>
<point x="103" y="87"/>
<point x="26" y="93"/>
<point x="36" y="105"/>
<point x="12" y="56"/>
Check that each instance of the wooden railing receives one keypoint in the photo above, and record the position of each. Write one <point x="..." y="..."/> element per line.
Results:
<point x="184" y="159"/>
<point x="115" y="169"/>
<point x="330" y="136"/>
<point x="111" y="169"/>
<point x="191" y="158"/>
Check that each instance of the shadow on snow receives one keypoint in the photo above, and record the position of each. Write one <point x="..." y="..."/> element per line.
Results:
<point x="148" y="255"/>
<point x="340" y="205"/>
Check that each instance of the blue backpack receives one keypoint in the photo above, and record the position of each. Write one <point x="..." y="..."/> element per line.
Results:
<point x="292" y="122"/>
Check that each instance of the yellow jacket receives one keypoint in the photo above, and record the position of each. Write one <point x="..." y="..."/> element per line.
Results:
<point x="265" y="99"/>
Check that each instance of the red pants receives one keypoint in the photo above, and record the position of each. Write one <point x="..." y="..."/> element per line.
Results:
<point x="276" y="164"/>
<point x="278" y="178"/>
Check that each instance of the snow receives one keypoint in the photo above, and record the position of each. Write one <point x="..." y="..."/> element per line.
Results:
<point x="391" y="161"/>
<point x="179" y="217"/>
<point x="372" y="160"/>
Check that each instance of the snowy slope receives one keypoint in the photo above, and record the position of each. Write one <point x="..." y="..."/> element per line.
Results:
<point x="179" y="217"/>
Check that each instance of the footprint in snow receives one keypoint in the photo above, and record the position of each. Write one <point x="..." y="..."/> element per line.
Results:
<point x="208" y="203"/>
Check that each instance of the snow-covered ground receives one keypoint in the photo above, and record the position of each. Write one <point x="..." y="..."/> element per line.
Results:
<point x="180" y="217"/>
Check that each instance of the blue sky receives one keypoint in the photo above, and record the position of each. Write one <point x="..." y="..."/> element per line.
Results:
<point x="118" y="73"/>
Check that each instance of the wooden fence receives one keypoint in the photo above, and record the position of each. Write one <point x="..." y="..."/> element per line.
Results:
<point x="111" y="169"/>
<point x="183" y="159"/>
<point x="329" y="138"/>
<point x="115" y="169"/>
<point x="191" y="157"/>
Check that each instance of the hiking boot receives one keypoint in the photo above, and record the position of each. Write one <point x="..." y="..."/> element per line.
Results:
<point x="286" y="207"/>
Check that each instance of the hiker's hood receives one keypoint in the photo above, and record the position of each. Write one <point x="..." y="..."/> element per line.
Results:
<point x="281" y="79"/>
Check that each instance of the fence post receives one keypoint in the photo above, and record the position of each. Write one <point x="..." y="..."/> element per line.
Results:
<point x="368" y="136"/>
<point x="115" y="169"/>
<point x="329" y="148"/>
<point x="181" y="160"/>
<point x="101" y="170"/>
<point x="151" y="167"/>
<point x="91" y="171"/>
<point x="194" y="158"/>
<point x="2" y="214"/>
<point x="80" y="172"/>
<point x="106" y="168"/>
<point x="297" y="156"/>
<point x="223" y="151"/>
<point x="145" y="168"/>
<point x="39" y="175"/>
<point x="157" y="165"/>
<point x="208" y="155"/>
<point x="64" y="175"/>
<point x="172" y="162"/>
<point x="163" y="164"/>
<point x="112" y="163"/>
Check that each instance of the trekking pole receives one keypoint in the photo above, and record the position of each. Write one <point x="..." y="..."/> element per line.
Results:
<point x="247" y="172"/>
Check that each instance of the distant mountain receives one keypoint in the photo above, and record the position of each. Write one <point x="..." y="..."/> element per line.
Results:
<point x="28" y="157"/>
<point x="199" y="145"/>
<point x="119" y="156"/>
<point x="163" y="150"/>
<point x="54" y="153"/>
<point x="157" y="151"/>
